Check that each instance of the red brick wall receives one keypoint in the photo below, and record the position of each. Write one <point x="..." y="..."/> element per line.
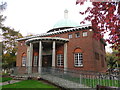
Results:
<point x="88" y="45"/>
<point x="85" y="43"/>
<point x="21" y="49"/>
<point x="97" y="44"/>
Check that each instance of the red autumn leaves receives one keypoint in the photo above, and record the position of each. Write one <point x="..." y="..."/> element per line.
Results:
<point x="104" y="17"/>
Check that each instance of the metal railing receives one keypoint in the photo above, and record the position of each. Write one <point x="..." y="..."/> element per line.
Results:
<point x="85" y="78"/>
<point x="89" y="79"/>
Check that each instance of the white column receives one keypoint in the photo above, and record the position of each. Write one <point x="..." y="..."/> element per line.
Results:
<point x="53" y="55"/>
<point x="40" y="58"/>
<point x="30" y="58"/>
<point x="65" y="56"/>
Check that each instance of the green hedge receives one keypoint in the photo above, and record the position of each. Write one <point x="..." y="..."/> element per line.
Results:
<point x="4" y="79"/>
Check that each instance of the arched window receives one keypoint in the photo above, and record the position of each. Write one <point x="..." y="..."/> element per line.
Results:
<point x="24" y="57"/>
<point x="35" y="59"/>
<point x="78" y="57"/>
<point x="59" y="58"/>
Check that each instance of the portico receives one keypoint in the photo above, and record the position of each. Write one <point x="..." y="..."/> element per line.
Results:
<point x="45" y="47"/>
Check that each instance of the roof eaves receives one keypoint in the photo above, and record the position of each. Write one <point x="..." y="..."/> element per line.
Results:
<point x="56" y="32"/>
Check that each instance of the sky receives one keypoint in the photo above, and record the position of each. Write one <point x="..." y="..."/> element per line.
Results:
<point x="39" y="16"/>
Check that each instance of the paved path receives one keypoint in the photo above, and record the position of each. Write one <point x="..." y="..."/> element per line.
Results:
<point x="11" y="81"/>
<point x="63" y="82"/>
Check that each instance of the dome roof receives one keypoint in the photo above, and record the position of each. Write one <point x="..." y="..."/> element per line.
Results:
<point x="65" y="23"/>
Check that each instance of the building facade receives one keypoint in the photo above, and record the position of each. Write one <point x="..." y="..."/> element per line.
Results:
<point x="66" y="46"/>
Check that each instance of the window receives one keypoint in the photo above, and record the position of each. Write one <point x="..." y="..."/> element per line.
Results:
<point x="70" y="36"/>
<point x="24" y="59"/>
<point x="77" y="35"/>
<point x="84" y="34"/>
<point x="59" y="59"/>
<point x="78" y="57"/>
<point x="96" y="56"/>
<point x="21" y="43"/>
<point x="35" y="60"/>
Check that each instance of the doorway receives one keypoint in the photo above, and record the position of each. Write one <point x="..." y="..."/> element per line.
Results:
<point x="47" y="61"/>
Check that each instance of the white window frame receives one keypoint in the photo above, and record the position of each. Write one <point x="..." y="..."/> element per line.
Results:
<point x="21" y="43"/>
<point x="69" y="36"/>
<point x="85" y="33"/>
<point x="35" y="61"/>
<point x="59" y="60"/>
<point x="77" y="34"/>
<point x="24" y="60"/>
<point x="78" y="59"/>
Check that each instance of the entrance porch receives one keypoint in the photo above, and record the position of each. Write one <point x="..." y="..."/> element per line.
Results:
<point x="41" y="52"/>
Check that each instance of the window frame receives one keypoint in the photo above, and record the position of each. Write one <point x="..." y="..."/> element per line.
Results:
<point x="35" y="62"/>
<point x="70" y="36"/>
<point x="84" y="33"/>
<point x="60" y="61"/>
<point x="76" y="34"/>
<point x="22" y="43"/>
<point x="24" y="58"/>
<point x="79" y="61"/>
<point x="97" y="56"/>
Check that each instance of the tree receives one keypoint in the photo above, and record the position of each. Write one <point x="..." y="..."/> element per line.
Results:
<point x="9" y="46"/>
<point x="2" y="18"/>
<point x="9" y="39"/>
<point x="2" y="7"/>
<point x="104" y="17"/>
<point x="9" y="42"/>
<point x="112" y="61"/>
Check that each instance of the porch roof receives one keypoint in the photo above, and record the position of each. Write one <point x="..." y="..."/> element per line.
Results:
<point x="46" y="39"/>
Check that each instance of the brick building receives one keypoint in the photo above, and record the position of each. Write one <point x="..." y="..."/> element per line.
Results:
<point x="66" y="46"/>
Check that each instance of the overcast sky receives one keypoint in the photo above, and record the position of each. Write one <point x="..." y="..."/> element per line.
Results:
<point x="39" y="16"/>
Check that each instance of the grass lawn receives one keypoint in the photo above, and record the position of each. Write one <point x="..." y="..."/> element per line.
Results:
<point x="3" y="79"/>
<point x="29" y="84"/>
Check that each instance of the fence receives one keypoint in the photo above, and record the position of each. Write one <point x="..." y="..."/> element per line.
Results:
<point x="87" y="79"/>
<point x="84" y="78"/>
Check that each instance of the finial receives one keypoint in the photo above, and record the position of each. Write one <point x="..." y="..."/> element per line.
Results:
<point x="66" y="14"/>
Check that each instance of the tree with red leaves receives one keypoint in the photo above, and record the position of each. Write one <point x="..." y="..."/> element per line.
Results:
<point x="104" y="17"/>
